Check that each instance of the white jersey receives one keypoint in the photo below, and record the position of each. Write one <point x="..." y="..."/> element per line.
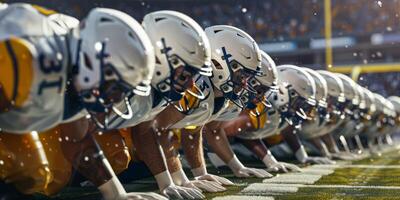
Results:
<point x="270" y="128"/>
<point x="330" y="126"/>
<point x="223" y="105"/>
<point x="204" y="110"/>
<point x="33" y="70"/>
<point x="141" y="107"/>
<point x="311" y="128"/>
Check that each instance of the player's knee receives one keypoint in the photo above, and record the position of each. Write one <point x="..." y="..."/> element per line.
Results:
<point x="24" y="163"/>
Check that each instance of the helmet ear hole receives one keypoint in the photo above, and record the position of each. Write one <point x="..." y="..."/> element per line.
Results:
<point x="216" y="64"/>
<point x="88" y="63"/>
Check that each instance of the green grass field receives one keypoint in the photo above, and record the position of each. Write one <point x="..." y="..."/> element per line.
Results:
<point x="371" y="178"/>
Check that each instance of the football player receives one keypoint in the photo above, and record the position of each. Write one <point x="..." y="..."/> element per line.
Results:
<point x="90" y="66"/>
<point x="182" y="53"/>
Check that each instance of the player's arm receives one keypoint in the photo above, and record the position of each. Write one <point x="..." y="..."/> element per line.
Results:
<point x="218" y="141"/>
<point x="264" y="154"/>
<point x="294" y="142"/>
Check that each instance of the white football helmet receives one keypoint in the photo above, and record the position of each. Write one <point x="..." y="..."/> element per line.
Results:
<point x="369" y="101"/>
<point x="114" y="57"/>
<point x="301" y="88"/>
<point x="396" y="103"/>
<point x="321" y="94"/>
<point x="270" y="77"/>
<point x="350" y="89"/>
<point x="336" y="99"/>
<point x="266" y="84"/>
<point x="321" y="87"/>
<point x="180" y="44"/>
<point x="235" y="59"/>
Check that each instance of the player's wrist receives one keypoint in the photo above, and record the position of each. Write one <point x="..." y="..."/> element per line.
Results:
<point x="199" y="171"/>
<point x="163" y="180"/>
<point x="235" y="164"/>
<point x="269" y="160"/>
<point x="112" y="189"/>
<point x="179" y="177"/>
<point x="301" y="154"/>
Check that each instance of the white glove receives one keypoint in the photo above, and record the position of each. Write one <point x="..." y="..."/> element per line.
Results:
<point x="113" y="190"/>
<point x="303" y="157"/>
<point x="241" y="171"/>
<point x="201" y="173"/>
<point x="344" y="156"/>
<point x="181" y="179"/>
<point x="170" y="190"/>
<point x="274" y="166"/>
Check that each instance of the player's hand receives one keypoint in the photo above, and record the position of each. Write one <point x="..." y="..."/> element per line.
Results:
<point x="275" y="166"/>
<point x="344" y="156"/>
<point x="283" y="167"/>
<point x="239" y="170"/>
<point x="248" y="172"/>
<point x="142" y="196"/>
<point x="319" y="160"/>
<point x="178" y="192"/>
<point x="205" y="185"/>
<point x="215" y="178"/>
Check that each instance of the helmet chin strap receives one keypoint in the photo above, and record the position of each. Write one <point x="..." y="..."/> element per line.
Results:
<point x="301" y="114"/>
<point x="126" y="116"/>
<point x="106" y="122"/>
<point x="198" y="94"/>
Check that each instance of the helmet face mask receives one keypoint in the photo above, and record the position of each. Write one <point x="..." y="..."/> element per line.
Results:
<point x="236" y="88"/>
<point x="182" y="51"/>
<point x="113" y="58"/>
<point x="112" y="91"/>
<point x="236" y="59"/>
<point x="181" y="76"/>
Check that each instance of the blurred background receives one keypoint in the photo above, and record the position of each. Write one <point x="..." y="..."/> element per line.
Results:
<point x="364" y="35"/>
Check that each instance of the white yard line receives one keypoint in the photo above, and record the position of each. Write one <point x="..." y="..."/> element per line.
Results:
<point x="356" y="166"/>
<point x="238" y="197"/>
<point x="282" y="188"/>
<point x="335" y="186"/>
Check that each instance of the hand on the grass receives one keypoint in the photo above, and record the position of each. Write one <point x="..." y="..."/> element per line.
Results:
<point x="248" y="172"/>
<point x="205" y="185"/>
<point x="274" y="166"/>
<point x="318" y="160"/>
<point x="178" y="192"/>
<point x="142" y="196"/>
<point x="239" y="170"/>
<point x="344" y="156"/>
<point x="169" y="189"/>
<point x="283" y="167"/>
<point x="215" y="178"/>
<point x="303" y="157"/>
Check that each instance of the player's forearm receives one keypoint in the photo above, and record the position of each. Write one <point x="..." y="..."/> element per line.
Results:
<point x="218" y="141"/>
<point x="237" y="126"/>
<point x="85" y="155"/>
<point x="255" y="146"/>
<point x="148" y="149"/>
<point x="192" y="144"/>
<point x="292" y="139"/>
<point x="168" y="143"/>
<point x="330" y="142"/>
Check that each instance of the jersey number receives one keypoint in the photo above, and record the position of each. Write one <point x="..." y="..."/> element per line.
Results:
<point x="49" y="68"/>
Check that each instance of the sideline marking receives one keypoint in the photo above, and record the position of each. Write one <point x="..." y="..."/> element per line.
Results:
<point x="281" y="188"/>
<point x="238" y="197"/>
<point x="360" y="166"/>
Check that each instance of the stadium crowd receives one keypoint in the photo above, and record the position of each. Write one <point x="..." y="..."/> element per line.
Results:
<point x="265" y="20"/>
<point x="272" y="20"/>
